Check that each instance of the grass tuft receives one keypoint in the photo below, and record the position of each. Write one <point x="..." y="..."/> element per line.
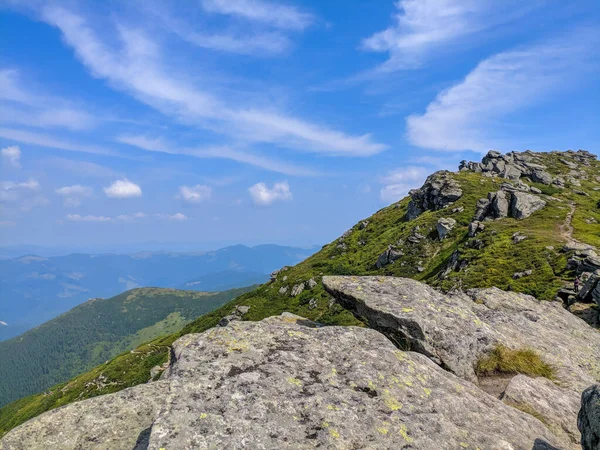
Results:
<point x="503" y="360"/>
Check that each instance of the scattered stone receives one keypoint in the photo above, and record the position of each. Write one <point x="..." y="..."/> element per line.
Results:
<point x="588" y="420"/>
<point x="519" y="275"/>
<point x="285" y="278"/>
<point x="569" y="164"/>
<point x="578" y="192"/>
<point x="475" y="227"/>
<point x="388" y="257"/>
<point x="283" y="290"/>
<point x="444" y="226"/>
<point x="535" y="190"/>
<point x="458" y="210"/>
<point x="588" y="312"/>
<point x="297" y="289"/>
<point x="364" y="224"/>
<point x="518" y="237"/>
<point x="308" y="386"/>
<point x="273" y="276"/>
<point x="439" y="191"/>
<point x="311" y="283"/>
<point x="312" y="303"/>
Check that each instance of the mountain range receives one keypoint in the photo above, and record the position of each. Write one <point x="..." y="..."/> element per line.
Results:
<point x="34" y="289"/>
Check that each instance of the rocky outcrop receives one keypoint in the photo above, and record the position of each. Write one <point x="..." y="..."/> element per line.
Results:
<point x="588" y="421"/>
<point x="512" y="166"/>
<point x="439" y="191"/>
<point x="523" y="205"/>
<point x="237" y="314"/>
<point x="457" y="330"/>
<point x="284" y="382"/>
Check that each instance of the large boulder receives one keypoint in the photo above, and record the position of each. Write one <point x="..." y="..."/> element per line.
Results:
<point x="523" y="205"/>
<point x="388" y="257"/>
<point x="457" y="330"/>
<point x="286" y="383"/>
<point x="589" y="418"/>
<point x="439" y="191"/>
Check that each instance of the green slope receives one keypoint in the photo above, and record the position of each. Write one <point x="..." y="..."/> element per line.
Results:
<point x="95" y="332"/>
<point x="493" y="264"/>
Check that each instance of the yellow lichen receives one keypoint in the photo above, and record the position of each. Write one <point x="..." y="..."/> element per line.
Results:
<point x="203" y="415"/>
<point x="383" y="430"/>
<point x="295" y="381"/>
<point x="407" y="310"/>
<point x="332" y="408"/>
<point x="464" y="445"/>
<point x="404" y="433"/>
<point x="334" y="434"/>
<point x="427" y="391"/>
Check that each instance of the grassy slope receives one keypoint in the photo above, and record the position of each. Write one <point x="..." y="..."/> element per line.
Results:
<point x="493" y="265"/>
<point x="97" y="331"/>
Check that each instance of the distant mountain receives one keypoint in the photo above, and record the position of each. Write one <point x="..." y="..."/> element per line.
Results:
<point x="34" y="289"/>
<point x="95" y="332"/>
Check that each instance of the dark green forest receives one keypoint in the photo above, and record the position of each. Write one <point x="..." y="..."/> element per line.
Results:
<point x="95" y="332"/>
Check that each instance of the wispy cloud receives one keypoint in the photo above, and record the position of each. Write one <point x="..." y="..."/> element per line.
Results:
<point x="467" y="116"/>
<point x="45" y="140"/>
<point x="125" y="218"/>
<point x="136" y="66"/>
<point x="264" y="196"/>
<point x="25" y="106"/>
<point x="25" y="195"/>
<point x="221" y="152"/>
<point x="123" y="189"/>
<point x="83" y="169"/>
<point x="177" y="217"/>
<point x="12" y="155"/>
<point x="424" y="26"/>
<point x="270" y="13"/>
<point x="195" y="194"/>
<point x="73" y="195"/>
<point x="399" y="181"/>
<point x="87" y="218"/>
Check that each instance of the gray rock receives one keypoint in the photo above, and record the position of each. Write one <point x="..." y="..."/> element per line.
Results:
<point x="457" y="330"/>
<point x="285" y="383"/>
<point x="312" y="303"/>
<point x="590" y="291"/>
<point x="482" y="208"/>
<point x="297" y="289"/>
<point x="273" y="276"/>
<point x="475" y="227"/>
<point x="558" y="407"/>
<point x="283" y="290"/>
<point x="439" y="191"/>
<point x="242" y="309"/>
<point x="569" y="164"/>
<point x="458" y="210"/>
<point x="364" y="224"/>
<point x="518" y="275"/>
<point x="311" y="284"/>
<point x="498" y="205"/>
<point x="388" y="257"/>
<point x="540" y="176"/>
<point x="588" y="421"/>
<point x="524" y="205"/>
<point x="518" y="237"/>
<point x="120" y="421"/>
<point x="444" y="226"/>
<point x="535" y="190"/>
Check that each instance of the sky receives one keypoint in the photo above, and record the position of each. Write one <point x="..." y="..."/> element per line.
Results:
<point x="200" y="123"/>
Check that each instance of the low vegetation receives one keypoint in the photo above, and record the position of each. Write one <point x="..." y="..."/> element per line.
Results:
<point x="503" y="360"/>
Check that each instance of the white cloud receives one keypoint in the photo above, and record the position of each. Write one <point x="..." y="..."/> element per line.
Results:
<point x="262" y="195"/>
<point x="423" y="26"/>
<point x="123" y="189"/>
<point x="88" y="218"/>
<point x="12" y="154"/>
<point x="468" y="115"/>
<point x="12" y="191"/>
<point x="136" y="67"/>
<point x="195" y="194"/>
<point x="73" y="194"/>
<point x="76" y="190"/>
<point x="131" y="217"/>
<point x="7" y="223"/>
<point x="177" y="217"/>
<point x="398" y="182"/>
<point x="277" y="15"/>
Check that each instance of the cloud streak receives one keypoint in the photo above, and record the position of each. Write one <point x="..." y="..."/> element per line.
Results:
<point x="467" y="116"/>
<point x="136" y="66"/>
<point x="423" y="27"/>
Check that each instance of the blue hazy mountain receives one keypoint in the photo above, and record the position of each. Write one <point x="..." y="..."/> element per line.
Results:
<point x="34" y="289"/>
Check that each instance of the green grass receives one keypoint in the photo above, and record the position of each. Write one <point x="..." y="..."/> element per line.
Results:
<point x="503" y="360"/>
<point x="492" y="265"/>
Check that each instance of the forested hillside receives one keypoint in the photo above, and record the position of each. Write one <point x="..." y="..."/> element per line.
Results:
<point x="95" y="332"/>
<point x="454" y="232"/>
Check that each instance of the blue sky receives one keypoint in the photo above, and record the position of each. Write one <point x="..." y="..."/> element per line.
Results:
<point x="206" y="122"/>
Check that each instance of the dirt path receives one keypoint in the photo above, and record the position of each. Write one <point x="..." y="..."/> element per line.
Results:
<point x="566" y="229"/>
